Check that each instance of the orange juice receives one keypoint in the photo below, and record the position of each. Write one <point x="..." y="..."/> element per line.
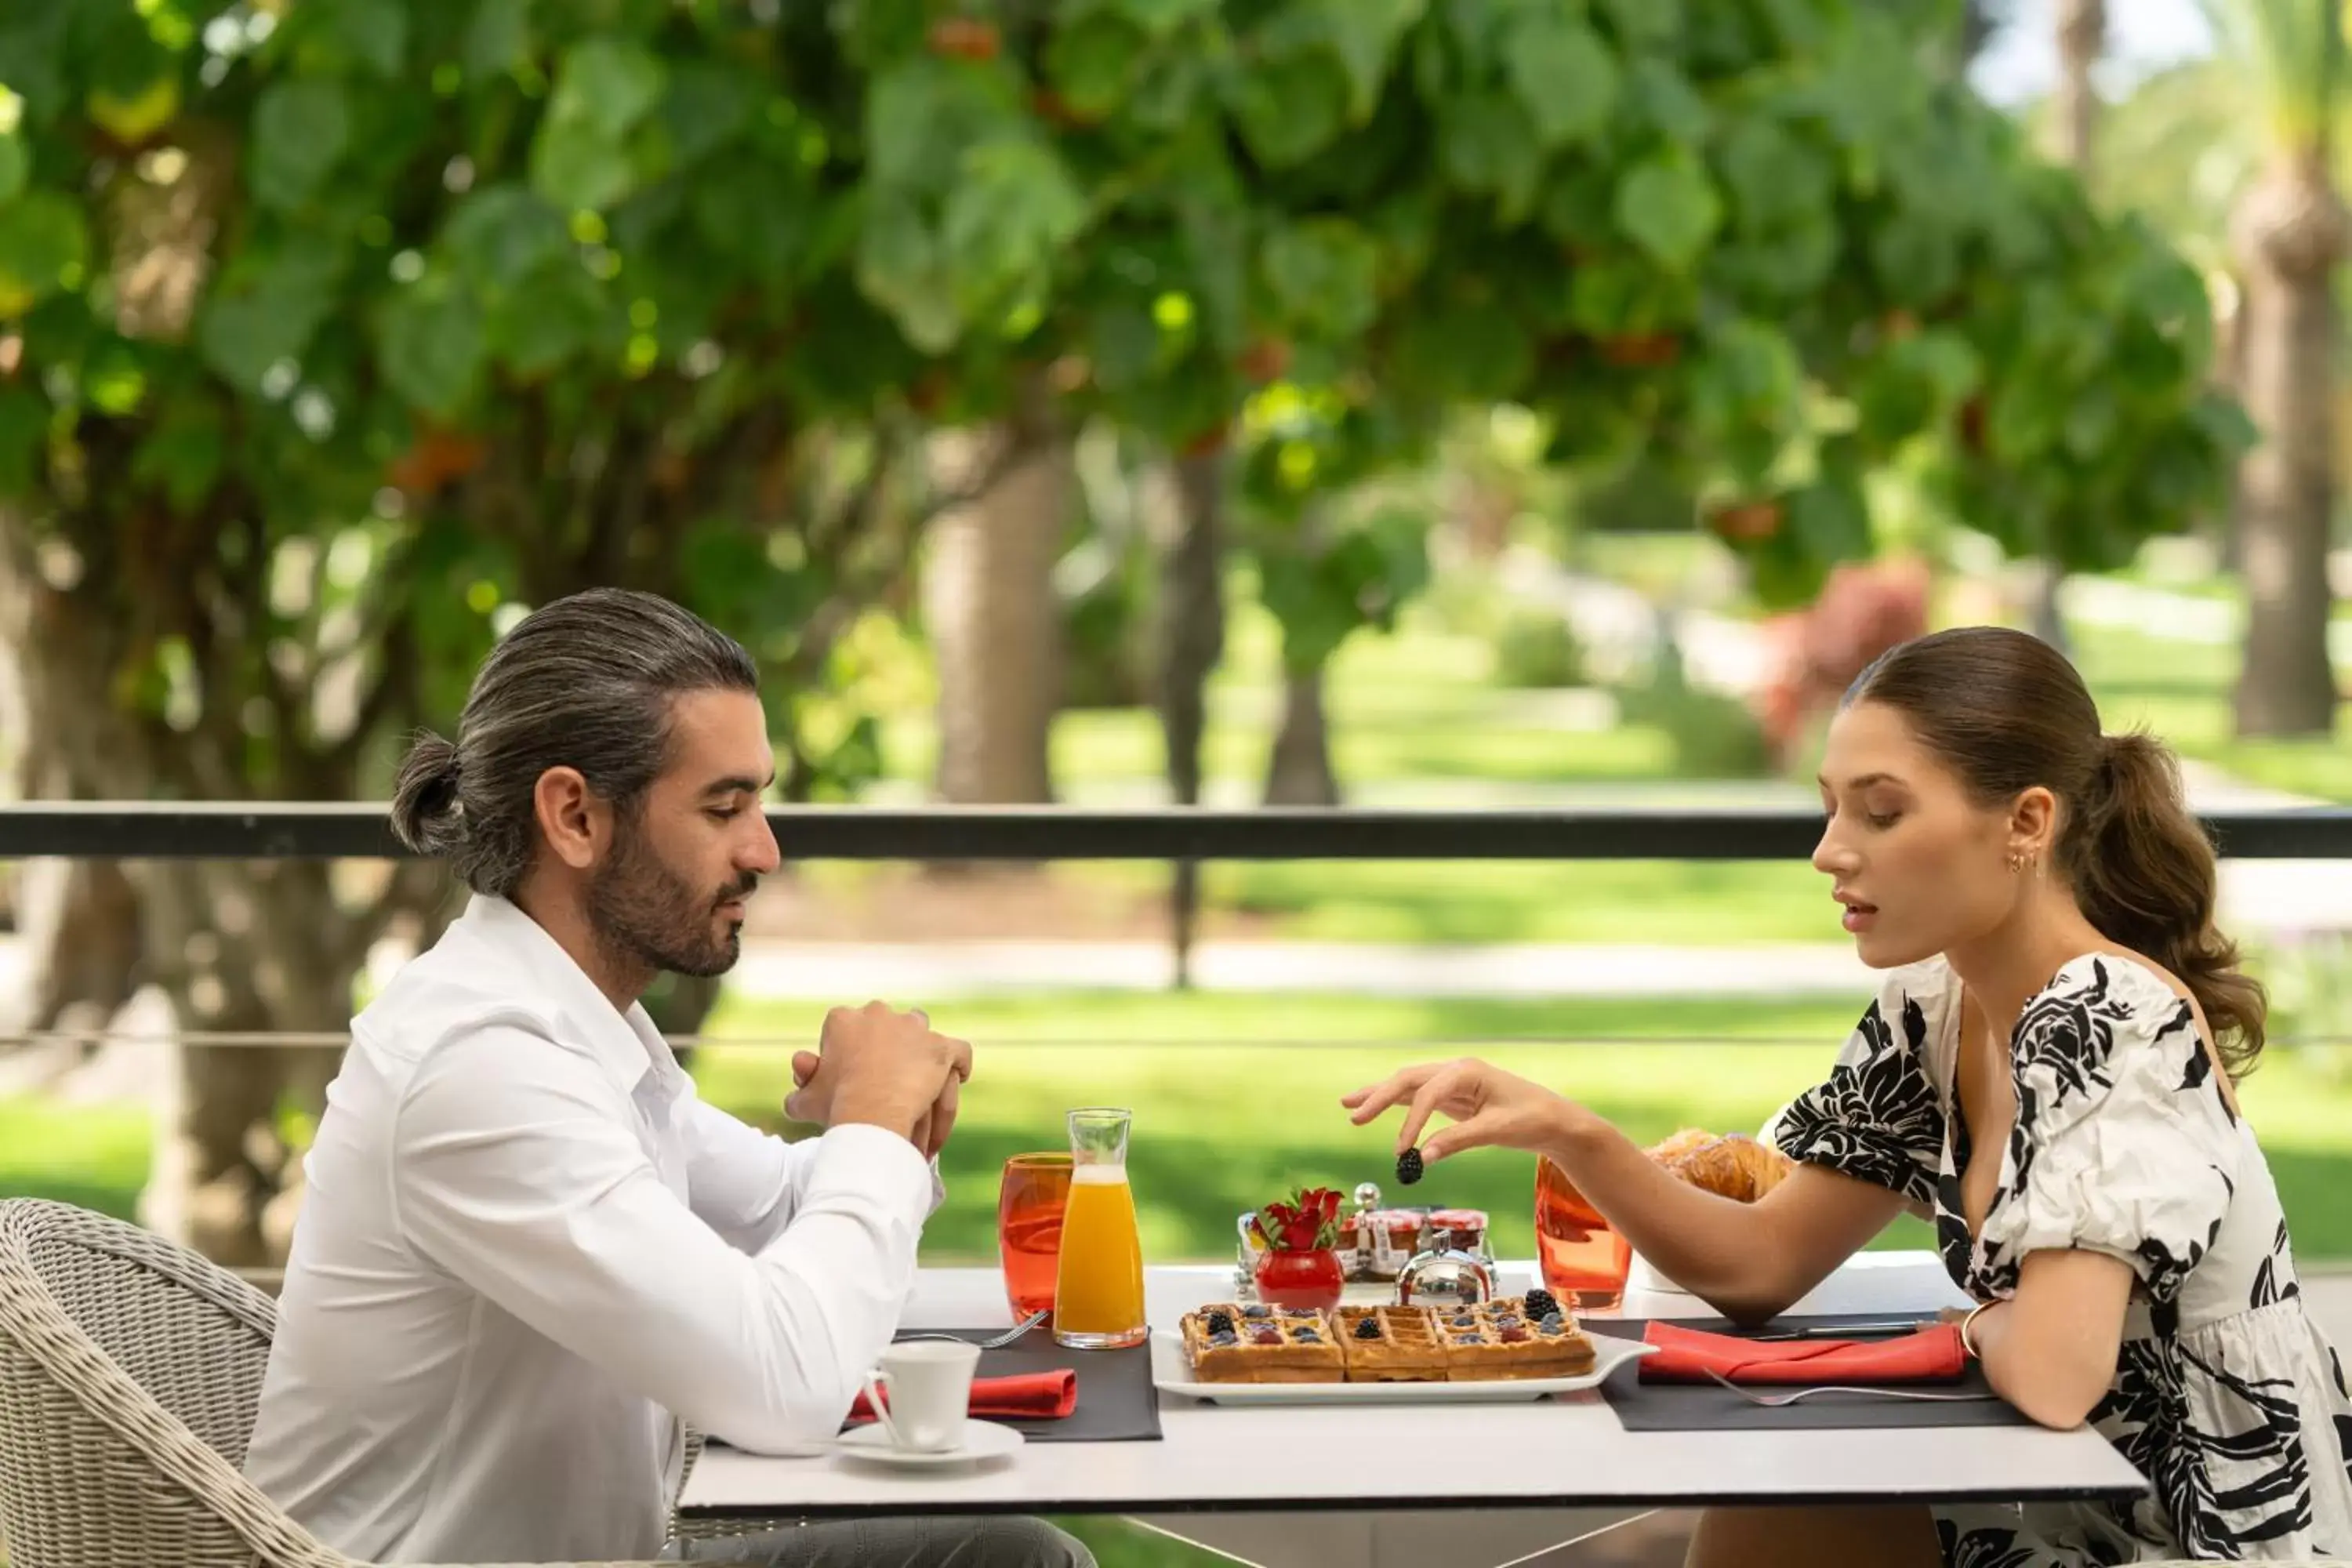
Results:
<point x="1098" y="1284"/>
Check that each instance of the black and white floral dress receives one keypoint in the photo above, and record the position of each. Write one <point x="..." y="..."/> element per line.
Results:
<point x="2226" y="1396"/>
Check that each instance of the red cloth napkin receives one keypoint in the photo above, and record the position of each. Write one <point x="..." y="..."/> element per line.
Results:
<point x="1931" y="1354"/>
<point x="1032" y="1396"/>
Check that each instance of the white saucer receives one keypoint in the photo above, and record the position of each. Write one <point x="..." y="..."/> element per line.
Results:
<point x="982" y="1440"/>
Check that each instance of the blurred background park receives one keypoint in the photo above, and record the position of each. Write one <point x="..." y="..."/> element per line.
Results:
<point x="1518" y="403"/>
<point x="1464" y="404"/>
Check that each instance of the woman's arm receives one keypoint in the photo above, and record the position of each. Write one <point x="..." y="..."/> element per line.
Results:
<point x="2050" y="1350"/>
<point x="1748" y="1261"/>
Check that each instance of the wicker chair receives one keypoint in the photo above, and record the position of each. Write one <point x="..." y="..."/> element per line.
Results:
<point x="130" y="1375"/>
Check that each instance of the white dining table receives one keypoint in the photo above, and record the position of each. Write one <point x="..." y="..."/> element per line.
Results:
<point x="1566" y="1452"/>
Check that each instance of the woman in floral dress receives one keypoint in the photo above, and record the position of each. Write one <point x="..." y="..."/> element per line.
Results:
<point x="2049" y="1072"/>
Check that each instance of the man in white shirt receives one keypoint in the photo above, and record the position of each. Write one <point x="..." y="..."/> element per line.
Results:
<point x="528" y="1252"/>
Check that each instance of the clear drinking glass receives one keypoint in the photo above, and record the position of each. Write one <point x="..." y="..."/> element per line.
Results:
<point x="1098" y="1282"/>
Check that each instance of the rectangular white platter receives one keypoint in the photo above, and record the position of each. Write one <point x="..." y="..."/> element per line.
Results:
<point x="1171" y="1373"/>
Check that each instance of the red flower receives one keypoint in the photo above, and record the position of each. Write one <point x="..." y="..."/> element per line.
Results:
<point x="1309" y="1223"/>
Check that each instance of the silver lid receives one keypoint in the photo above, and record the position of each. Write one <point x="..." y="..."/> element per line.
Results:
<point x="1444" y="1275"/>
<point x="1368" y="1195"/>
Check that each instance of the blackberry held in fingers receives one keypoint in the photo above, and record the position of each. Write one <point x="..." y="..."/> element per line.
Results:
<point x="1409" y="1166"/>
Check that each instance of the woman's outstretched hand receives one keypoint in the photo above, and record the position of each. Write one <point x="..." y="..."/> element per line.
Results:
<point x="1488" y="1108"/>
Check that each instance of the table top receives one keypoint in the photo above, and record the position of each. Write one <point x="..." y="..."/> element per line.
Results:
<point x="1564" y="1452"/>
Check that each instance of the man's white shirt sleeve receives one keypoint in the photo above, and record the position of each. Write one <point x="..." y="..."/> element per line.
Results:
<point x="745" y="1183"/>
<point x="513" y="1174"/>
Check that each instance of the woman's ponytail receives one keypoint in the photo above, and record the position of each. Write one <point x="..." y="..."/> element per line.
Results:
<point x="2144" y="874"/>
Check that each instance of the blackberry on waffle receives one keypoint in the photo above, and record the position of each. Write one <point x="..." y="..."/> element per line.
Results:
<point x="1390" y="1344"/>
<point x="1497" y="1340"/>
<point x="1284" y="1346"/>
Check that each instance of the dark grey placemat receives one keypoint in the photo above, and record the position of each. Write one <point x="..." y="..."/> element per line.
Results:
<point x="1117" y="1401"/>
<point x="1704" y="1407"/>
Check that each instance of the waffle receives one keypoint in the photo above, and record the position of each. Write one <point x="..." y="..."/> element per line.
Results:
<point x="1496" y="1340"/>
<point x="1416" y="1345"/>
<point x="1404" y="1349"/>
<point x="1266" y="1344"/>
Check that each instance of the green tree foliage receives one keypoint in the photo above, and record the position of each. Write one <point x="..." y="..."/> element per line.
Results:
<point x="583" y="273"/>
<point x="332" y="331"/>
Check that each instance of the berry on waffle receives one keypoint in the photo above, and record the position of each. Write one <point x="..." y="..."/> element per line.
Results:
<point x="1500" y="1340"/>
<point x="1224" y="1344"/>
<point x="1390" y="1344"/>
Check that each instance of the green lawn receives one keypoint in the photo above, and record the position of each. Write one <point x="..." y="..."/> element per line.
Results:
<point x="1412" y="715"/>
<point x="1222" y="1127"/>
<point x="2181" y="691"/>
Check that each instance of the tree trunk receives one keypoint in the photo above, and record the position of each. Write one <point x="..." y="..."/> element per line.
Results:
<point x="2290" y="232"/>
<point x="2044" y="612"/>
<point x="1300" y="771"/>
<point x="1192" y="638"/>
<point x="80" y="922"/>
<point x="243" y="948"/>
<point x="989" y="601"/>
<point x="2082" y="39"/>
<point x="79" y="919"/>
<point x="2219" y="528"/>
<point x="238" y="948"/>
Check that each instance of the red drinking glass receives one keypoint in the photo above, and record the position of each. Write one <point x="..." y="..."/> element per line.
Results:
<point x="1029" y="1203"/>
<point x="1584" y="1261"/>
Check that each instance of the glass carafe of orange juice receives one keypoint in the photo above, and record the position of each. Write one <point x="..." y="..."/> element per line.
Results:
<point x="1098" y="1282"/>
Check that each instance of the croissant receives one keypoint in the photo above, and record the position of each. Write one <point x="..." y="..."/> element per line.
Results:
<point x="1734" y="1165"/>
<point x="1682" y="1143"/>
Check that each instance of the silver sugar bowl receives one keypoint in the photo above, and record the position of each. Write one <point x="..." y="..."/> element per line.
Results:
<point x="1445" y="1274"/>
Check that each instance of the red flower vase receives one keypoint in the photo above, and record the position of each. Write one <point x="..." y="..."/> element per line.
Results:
<point x="1311" y="1278"/>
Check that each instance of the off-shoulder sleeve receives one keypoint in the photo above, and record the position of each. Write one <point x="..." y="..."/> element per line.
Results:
<point x="1878" y="1117"/>
<point x="2123" y="1143"/>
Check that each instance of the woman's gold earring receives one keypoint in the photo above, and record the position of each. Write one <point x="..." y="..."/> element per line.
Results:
<point x="2016" y="862"/>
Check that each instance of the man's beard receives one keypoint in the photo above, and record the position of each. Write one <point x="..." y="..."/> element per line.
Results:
<point x="645" y="913"/>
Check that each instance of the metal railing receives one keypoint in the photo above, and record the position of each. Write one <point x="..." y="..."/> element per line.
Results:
<point x="294" y="831"/>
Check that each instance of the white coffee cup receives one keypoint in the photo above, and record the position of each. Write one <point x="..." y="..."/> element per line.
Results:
<point x="928" y="1387"/>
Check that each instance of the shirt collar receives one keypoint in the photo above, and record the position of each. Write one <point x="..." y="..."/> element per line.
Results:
<point x="627" y="1044"/>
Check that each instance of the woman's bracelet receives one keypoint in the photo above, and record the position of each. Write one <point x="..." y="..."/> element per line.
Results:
<point x="1968" y="1344"/>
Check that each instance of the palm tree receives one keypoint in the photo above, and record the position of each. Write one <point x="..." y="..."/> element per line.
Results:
<point x="2289" y="232"/>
